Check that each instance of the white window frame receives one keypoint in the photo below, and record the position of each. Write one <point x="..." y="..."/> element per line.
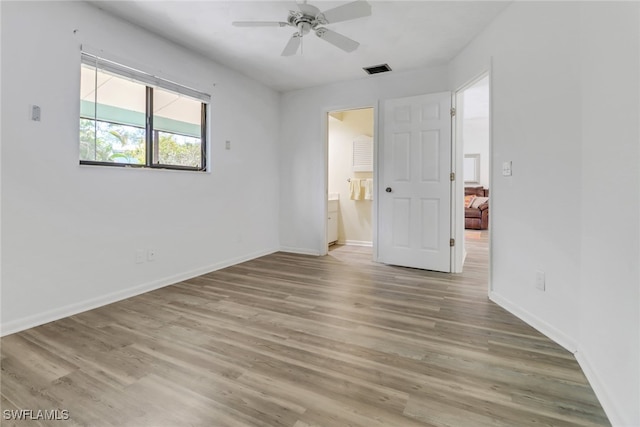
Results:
<point x="151" y="82"/>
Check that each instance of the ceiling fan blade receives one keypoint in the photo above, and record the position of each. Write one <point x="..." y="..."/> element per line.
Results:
<point x="338" y="40"/>
<point x="353" y="10"/>
<point x="259" y="24"/>
<point x="292" y="46"/>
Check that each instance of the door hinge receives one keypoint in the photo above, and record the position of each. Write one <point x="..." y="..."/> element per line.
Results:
<point x="452" y="176"/>
<point x="453" y="111"/>
<point x="452" y="242"/>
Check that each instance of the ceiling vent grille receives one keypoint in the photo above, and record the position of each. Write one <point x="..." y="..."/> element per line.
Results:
<point x="376" y="69"/>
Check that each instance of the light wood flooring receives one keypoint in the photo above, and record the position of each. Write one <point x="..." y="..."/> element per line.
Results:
<point x="293" y="340"/>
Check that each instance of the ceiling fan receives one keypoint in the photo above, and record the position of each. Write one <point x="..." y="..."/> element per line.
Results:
<point x="310" y="18"/>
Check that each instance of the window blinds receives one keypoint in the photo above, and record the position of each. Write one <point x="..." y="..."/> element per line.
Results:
<point x="142" y="77"/>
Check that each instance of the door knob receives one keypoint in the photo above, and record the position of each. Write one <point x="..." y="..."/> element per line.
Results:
<point x="388" y="190"/>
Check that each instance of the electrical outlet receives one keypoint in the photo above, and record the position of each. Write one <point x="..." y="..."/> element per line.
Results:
<point x="151" y="254"/>
<point x="540" y="280"/>
<point x="227" y="145"/>
<point x="139" y="256"/>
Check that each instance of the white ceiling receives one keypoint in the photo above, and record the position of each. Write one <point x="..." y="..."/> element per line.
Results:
<point x="405" y="34"/>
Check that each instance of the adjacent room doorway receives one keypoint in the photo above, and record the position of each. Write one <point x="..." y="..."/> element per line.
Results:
<point x="350" y="191"/>
<point x="473" y="142"/>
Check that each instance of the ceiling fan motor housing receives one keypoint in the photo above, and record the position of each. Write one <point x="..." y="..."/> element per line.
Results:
<point x="304" y="23"/>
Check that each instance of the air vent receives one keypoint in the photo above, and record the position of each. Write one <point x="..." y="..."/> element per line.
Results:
<point x="382" y="68"/>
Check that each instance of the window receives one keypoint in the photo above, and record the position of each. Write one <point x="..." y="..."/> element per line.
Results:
<point x="129" y="118"/>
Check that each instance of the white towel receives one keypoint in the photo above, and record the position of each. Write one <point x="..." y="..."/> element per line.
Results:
<point x="368" y="189"/>
<point x="355" y="190"/>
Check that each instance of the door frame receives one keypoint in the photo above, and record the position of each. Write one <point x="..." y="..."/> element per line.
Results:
<point x="324" y="249"/>
<point x="457" y="199"/>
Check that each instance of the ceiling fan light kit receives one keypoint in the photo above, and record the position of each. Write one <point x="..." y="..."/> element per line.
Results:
<point x="309" y="18"/>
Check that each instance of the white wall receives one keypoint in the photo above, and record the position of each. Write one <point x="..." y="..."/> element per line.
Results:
<point x="533" y="79"/>
<point x="69" y="233"/>
<point x="304" y="150"/>
<point x="355" y="216"/>
<point x="610" y="277"/>
<point x="565" y="111"/>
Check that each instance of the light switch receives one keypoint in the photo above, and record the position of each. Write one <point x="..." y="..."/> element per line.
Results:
<point x="540" y="280"/>
<point x="35" y="113"/>
<point x="506" y="168"/>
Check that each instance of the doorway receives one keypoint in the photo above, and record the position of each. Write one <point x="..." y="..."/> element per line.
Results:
<point x="350" y="189"/>
<point x="473" y="134"/>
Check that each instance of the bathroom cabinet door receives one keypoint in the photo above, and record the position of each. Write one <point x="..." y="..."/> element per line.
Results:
<point x="332" y="222"/>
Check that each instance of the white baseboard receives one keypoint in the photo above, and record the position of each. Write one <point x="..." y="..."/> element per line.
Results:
<point x="79" y="307"/>
<point x="604" y="397"/>
<point x="543" y="327"/>
<point x="356" y="243"/>
<point x="299" y="251"/>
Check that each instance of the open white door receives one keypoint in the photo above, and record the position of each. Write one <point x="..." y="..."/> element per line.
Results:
<point x="414" y="185"/>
